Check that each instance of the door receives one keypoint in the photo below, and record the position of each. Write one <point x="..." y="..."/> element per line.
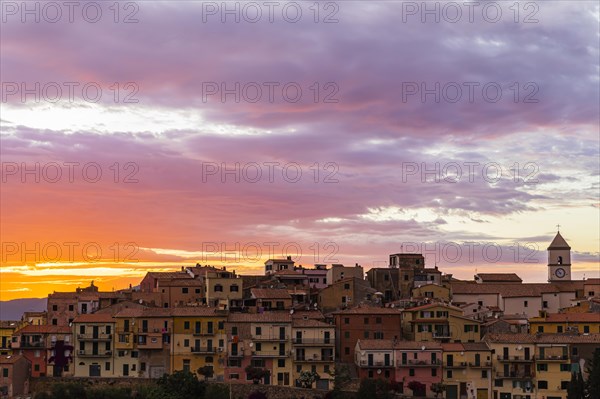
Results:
<point x="451" y="392"/>
<point x="527" y="354"/>
<point x="298" y="337"/>
<point x="94" y="370"/>
<point x="370" y="361"/>
<point x="327" y="337"/>
<point x="125" y="370"/>
<point x="450" y="360"/>
<point x="95" y="332"/>
<point x="281" y="332"/>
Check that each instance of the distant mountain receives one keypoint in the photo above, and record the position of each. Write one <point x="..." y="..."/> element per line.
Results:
<point x="13" y="310"/>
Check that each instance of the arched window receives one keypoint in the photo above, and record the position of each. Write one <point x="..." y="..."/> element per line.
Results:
<point x="560" y="260"/>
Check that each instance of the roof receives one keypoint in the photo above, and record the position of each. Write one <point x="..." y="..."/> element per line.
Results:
<point x="44" y="329"/>
<point x="270" y="293"/>
<point x="523" y="338"/>
<point x="505" y="290"/>
<point x="567" y="317"/>
<point x="559" y="243"/>
<point x="302" y="323"/>
<point x="8" y="324"/>
<point x="499" y="277"/>
<point x="592" y="281"/>
<point x="475" y="346"/>
<point x="311" y="314"/>
<point x="453" y="347"/>
<point x="11" y="359"/>
<point x="94" y="318"/>
<point x="180" y="282"/>
<point x="369" y="310"/>
<point x="168" y="275"/>
<point x="433" y="305"/>
<point x="267" y="317"/>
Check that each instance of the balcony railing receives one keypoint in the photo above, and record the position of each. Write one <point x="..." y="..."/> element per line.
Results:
<point x="29" y="345"/>
<point x="515" y="375"/>
<point x="515" y="358"/>
<point x="456" y="365"/>
<point x="312" y="341"/>
<point x="419" y="363"/>
<point x="441" y="335"/>
<point x="314" y="359"/>
<point x="94" y="337"/>
<point x="203" y="350"/>
<point x="271" y="337"/>
<point x="550" y="358"/>
<point x="271" y="354"/>
<point x="485" y="364"/>
<point x="376" y="364"/>
<point x="88" y="353"/>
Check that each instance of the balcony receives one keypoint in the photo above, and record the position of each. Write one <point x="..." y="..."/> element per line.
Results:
<point x="89" y="353"/>
<point x="271" y="354"/>
<point x="277" y="338"/>
<point x="199" y="350"/>
<point x="441" y="335"/>
<point x="312" y="342"/>
<point x="419" y="363"/>
<point x="151" y="341"/>
<point x="457" y="365"/>
<point x="28" y="345"/>
<point x="515" y="375"/>
<point x="199" y="333"/>
<point x="552" y="358"/>
<point x="480" y="365"/>
<point x="515" y="359"/>
<point x="313" y="359"/>
<point x="94" y="337"/>
<point x="236" y="354"/>
<point x="375" y="364"/>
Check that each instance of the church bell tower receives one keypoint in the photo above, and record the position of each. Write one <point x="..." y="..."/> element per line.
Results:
<point x="559" y="260"/>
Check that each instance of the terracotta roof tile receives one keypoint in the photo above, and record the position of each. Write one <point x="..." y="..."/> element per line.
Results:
<point x="44" y="329"/>
<point x="497" y="277"/>
<point x="10" y="359"/>
<point x="270" y="293"/>
<point x="567" y="317"/>
<point x="267" y="317"/>
<point x="94" y="318"/>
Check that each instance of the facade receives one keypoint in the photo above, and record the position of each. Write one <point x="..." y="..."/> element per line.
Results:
<point x="199" y="340"/>
<point x="432" y="291"/>
<point x="344" y="293"/>
<point x="276" y="265"/>
<point x="339" y="272"/>
<point x="7" y="328"/>
<point x="14" y="375"/>
<point x="313" y="348"/>
<point x="467" y="370"/>
<point x="364" y="323"/>
<point x="585" y="323"/>
<point x="93" y="345"/>
<point x="439" y="322"/>
<point x="48" y="349"/>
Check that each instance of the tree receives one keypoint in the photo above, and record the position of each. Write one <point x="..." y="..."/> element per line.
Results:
<point x="592" y="385"/>
<point x="217" y="391"/>
<point x="308" y="378"/>
<point x="257" y="395"/>
<point x="180" y="385"/>
<point x="438" y="388"/>
<point x="206" y="371"/>
<point x="417" y="387"/>
<point x="367" y="388"/>
<point x="256" y="373"/>
<point x="341" y="377"/>
<point x="576" y="389"/>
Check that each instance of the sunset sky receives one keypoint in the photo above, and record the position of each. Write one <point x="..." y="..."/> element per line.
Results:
<point x="368" y="120"/>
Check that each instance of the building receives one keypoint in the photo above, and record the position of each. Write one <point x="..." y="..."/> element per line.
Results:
<point x="265" y="299"/>
<point x="431" y="291"/>
<point x="199" y="340"/>
<point x="344" y="293"/>
<point x="224" y="289"/>
<point x="557" y="323"/>
<point x="48" y="349"/>
<point x="398" y="279"/>
<point x="339" y="272"/>
<point x="364" y="323"/>
<point x="276" y="265"/>
<point x="143" y="340"/>
<point x="313" y="347"/>
<point x="439" y="322"/>
<point x="14" y="376"/>
<point x="497" y="278"/>
<point x="317" y="277"/>
<point x="7" y="328"/>
<point x="93" y="343"/>
<point x="506" y="324"/>
<point x="467" y="370"/>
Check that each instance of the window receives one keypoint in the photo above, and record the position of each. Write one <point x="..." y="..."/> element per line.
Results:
<point x="484" y="374"/>
<point x="346" y="320"/>
<point x="281" y="363"/>
<point x="542" y="367"/>
<point x="378" y="320"/>
<point x="142" y="366"/>
<point x="346" y="351"/>
<point x="366" y="334"/>
<point x="186" y="343"/>
<point x="449" y="374"/>
<point x="480" y="303"/>
<point x="346" y="334"/>
<point x="186" y="325"/>
<point x="197" y="290"/>
<point x="542" y="384"/>
<point x="184" y="290"/>
<point x="378" y="335"/>
<point x="234" y="288"/>
<point x="386" y="277"/>
<point x="564" y="385"/>
<point x="406" y="277"/>
<point x="218" y="288"/>
<point x="5" y="372"/>
<point x="258" y="331"/>
<point x="234" y="376"/>
<point x="81" y="329"/>
<point x="298" y="368"/>
<point x="545" y="304"/>
<point x="54" y="322"/>
<point x="525" y="304"/>
<point x="186" y="365"/>
<point x="55" y="307"/>
<point x="559" y="329"/>
<point x="540" y="329"/>
<point x="221" y="325"/>
<point x="36" y="367"/>
<point x="434" y="372"/>
<point x="134" y="354"/>
<point x="498" y="383"/>
<point x="586" y="329"/>
<point x="258" y="346"/>
<point x="107" y="366"/>
<point x="234" y="330"/>
<point x="411" y="372"/>
<point x="71" y="308"/>
<point x="346" y="286"/>
<point x="366" y="320"/>
<point x="565" y="367"/>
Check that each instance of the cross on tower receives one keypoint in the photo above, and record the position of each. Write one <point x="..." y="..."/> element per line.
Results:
<point x="558" y="227"/>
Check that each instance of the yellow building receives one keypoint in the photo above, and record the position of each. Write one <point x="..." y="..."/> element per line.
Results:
<point x="313" y="347"/>
<point x="199" y="340"/>
<point x="143" y="342"/>
<point x="7" y="328"/>
<point x="583" y="323"/>
<point x="93" y="345"/>
<point x="467" y="370"/>
<point x="439" y="322"/>
<point x="431" y="291"/>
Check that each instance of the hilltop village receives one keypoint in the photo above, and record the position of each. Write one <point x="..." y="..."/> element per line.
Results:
<point x="412" y="325"/>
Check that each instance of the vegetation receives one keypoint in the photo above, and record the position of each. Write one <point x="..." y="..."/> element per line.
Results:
<point x="417" y="387"/>
<point x="576" y="389"/>
<point x="206" y="371"/>
<point x="592" y="384"/>
<point x="341" y="377"/>
<point x="256" y="374"/>
<point x="375" y="389"/>
<point x="308" y="378"/>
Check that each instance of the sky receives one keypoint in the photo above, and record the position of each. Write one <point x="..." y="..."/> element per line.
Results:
<point x="140" y="136"/>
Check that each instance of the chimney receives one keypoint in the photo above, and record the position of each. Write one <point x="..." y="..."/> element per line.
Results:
<point x="289" y="258"/>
